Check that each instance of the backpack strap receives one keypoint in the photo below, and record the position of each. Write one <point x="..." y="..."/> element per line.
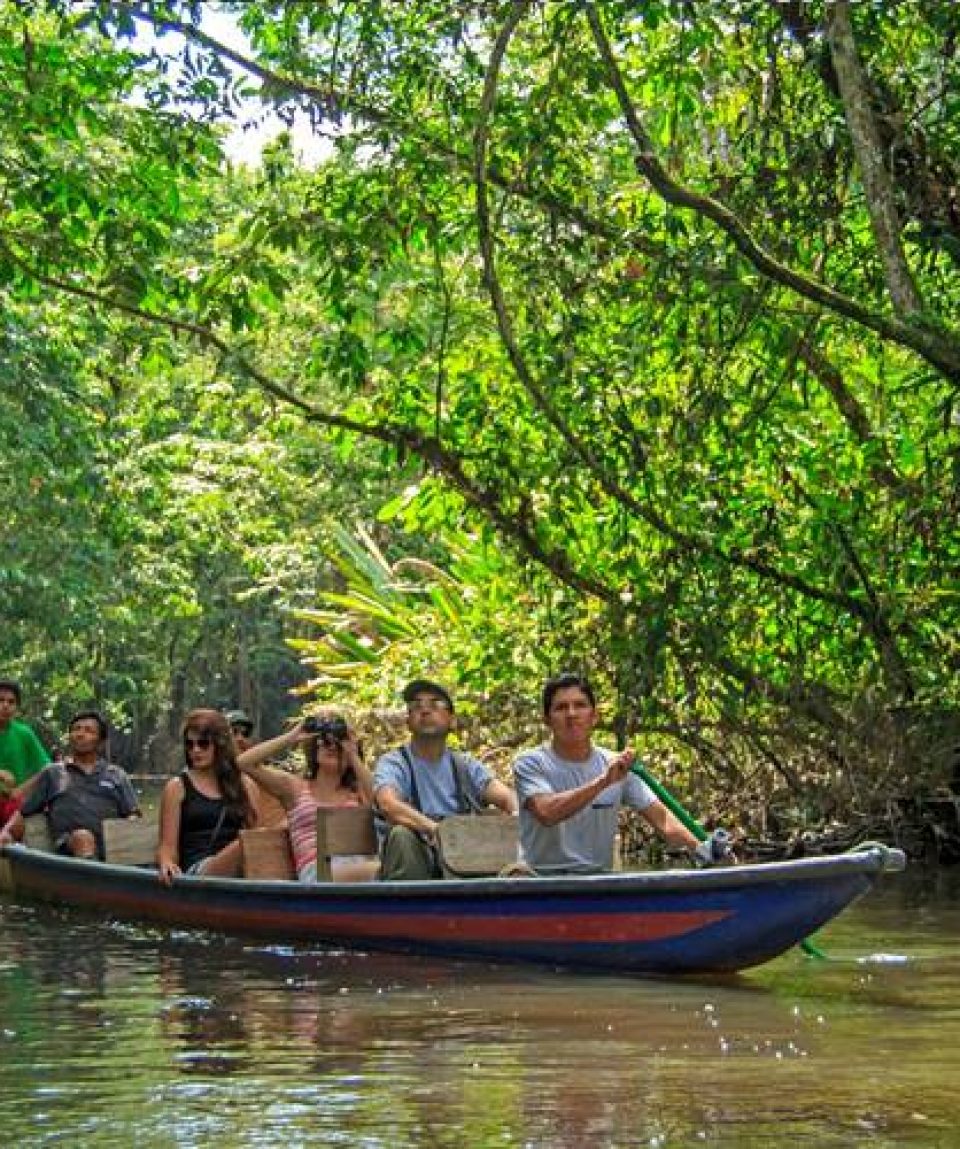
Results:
<point x="414" y="792"/>
<point x="466" y="803"/>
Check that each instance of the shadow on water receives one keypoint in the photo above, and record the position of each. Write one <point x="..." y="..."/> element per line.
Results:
<point x="123" y="1035"/>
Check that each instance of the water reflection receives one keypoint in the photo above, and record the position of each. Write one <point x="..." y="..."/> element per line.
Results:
<point x="119" y="1035"/>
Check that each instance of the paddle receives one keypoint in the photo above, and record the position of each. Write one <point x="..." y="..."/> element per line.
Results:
<point x="688" y="820"/>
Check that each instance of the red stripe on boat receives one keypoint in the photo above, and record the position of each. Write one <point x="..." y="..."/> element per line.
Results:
<point x="602" y="928"/>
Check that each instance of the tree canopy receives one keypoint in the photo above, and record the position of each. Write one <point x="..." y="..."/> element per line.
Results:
<point x="661" y="296"/>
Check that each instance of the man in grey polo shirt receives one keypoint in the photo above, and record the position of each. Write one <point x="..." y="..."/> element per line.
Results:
<point x="571" y="791"/>
<point x="78" y="793"/>
<point x="418" y="784"/>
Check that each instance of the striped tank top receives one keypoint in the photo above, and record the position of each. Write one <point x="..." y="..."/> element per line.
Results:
<point x="302" y="827"/>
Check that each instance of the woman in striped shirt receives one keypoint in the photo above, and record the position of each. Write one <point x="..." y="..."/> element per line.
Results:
<point x="336" y="776"/>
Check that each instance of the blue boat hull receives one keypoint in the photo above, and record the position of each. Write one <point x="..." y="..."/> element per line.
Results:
<point x="663" y="922"/>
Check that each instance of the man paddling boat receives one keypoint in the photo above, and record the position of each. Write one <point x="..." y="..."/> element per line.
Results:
<point x="571" y="791"/>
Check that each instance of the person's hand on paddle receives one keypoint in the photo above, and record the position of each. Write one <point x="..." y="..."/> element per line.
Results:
<point x="716" y="850"/>
<point x="619" y="766"/>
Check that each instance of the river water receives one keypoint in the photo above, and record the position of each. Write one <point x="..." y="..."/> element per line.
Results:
<point x="116" y="1035"/>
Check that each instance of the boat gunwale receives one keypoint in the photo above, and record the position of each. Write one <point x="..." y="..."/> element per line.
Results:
<point x="873" y="859"/>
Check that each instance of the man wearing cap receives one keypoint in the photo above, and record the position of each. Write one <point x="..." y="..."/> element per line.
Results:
<point x="418" y="784"/>
<point x="241" y="726"/>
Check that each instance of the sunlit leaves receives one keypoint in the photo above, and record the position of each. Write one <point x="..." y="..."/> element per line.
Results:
<point x="753" y="486"/>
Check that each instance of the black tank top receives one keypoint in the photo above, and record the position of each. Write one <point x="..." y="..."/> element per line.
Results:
<point x="206" y="825"/>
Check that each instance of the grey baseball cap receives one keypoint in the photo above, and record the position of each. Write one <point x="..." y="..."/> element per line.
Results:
<point x="240" y="718"/>
<point x="424" y="686"/>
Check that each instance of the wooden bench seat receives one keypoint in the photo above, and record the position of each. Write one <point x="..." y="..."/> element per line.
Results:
<point x="478" y="845"/>
<point x="126" y="841"/>
<point x="130" y="841"/>
<point x="36" y="833"/>
<point x="471" y="846"/>
<point x="348" y="832"/>
<point x="267" y="856"/>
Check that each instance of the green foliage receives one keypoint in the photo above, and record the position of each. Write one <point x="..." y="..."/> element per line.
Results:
<point x="603" y="282"/>
<point x="389" y="619"/>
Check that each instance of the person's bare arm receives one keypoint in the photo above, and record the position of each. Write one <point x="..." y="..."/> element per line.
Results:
<point x="12" y="830"/>
<point x="168" y="843"/>
<point x="277" y="783"/>
<point x="668" y="826"/>
<point x="27" y="787"/>
<point x="549" y="809"/>
<point x="500" y="795"/>
<point x="263" y="751"/>
<point x="400" y="813"/>
<point x="351" y="754"/>
<point x="253" y="797"/>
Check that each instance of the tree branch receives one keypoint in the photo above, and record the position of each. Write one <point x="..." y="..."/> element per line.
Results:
<point x="811" y="700"/>
<point x="877" y="185"/>
<point x="883" y="638"/>
<point x="925" y="174"/>
<point x="872" y="617"/>
<point x="853" y="414"/>
<point x="516" y="524"/>
<point x="279" y="84"/>
<point x="939" y="348"/>
<point x="702" y="543"/>
<point x="595" y="465"/>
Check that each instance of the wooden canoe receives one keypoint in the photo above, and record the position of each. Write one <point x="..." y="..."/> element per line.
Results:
<point x="663" y="922"/>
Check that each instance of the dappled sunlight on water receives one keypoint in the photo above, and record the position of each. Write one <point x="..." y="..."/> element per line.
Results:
<point x="113" y="1034"/>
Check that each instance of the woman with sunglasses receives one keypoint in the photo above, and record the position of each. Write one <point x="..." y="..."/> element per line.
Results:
<point x="336" y="776"/>
<point x="204" y="808"/>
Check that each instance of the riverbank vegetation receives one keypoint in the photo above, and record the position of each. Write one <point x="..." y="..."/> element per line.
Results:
<point x="609" y="335"/>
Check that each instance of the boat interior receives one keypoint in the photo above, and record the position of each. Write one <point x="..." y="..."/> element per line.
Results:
<point x="470" y="846"/>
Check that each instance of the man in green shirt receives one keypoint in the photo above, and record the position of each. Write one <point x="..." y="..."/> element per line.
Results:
<point x="21" y="751"/>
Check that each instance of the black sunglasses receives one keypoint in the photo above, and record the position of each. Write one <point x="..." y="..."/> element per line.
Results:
<point x="201" y="742"/>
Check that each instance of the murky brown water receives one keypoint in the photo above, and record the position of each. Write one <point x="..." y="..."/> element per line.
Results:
<point x="114" y="1035"/>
